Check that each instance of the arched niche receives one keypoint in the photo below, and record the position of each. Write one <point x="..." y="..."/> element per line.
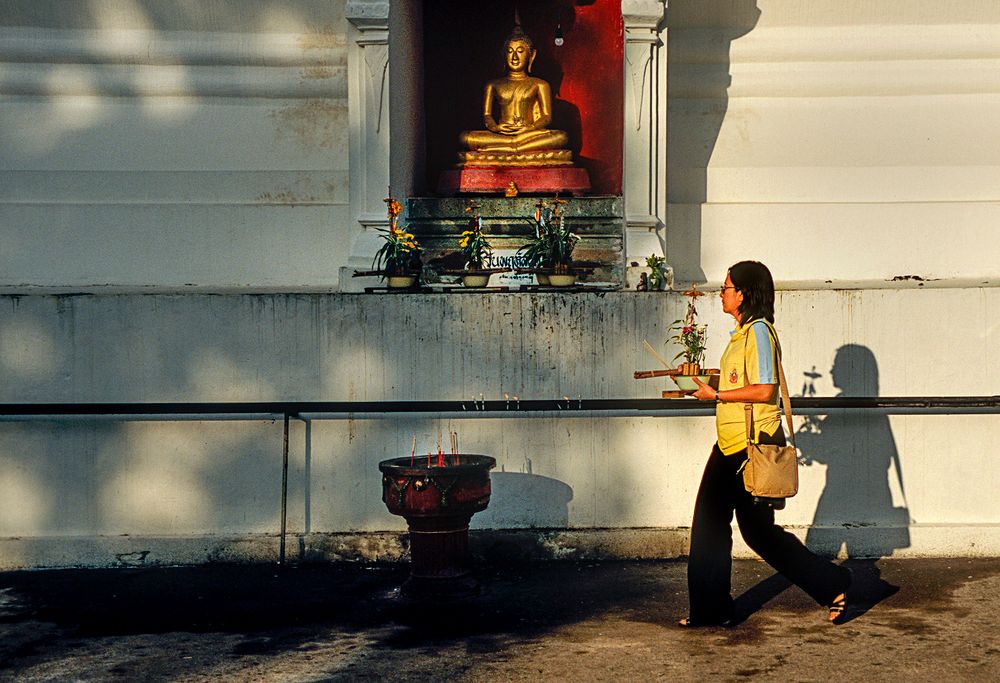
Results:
<point x="463" y="49"/>
<point x="418" y="68"/>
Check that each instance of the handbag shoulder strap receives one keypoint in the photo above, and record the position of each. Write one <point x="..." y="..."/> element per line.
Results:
<point x="786" y="401"/>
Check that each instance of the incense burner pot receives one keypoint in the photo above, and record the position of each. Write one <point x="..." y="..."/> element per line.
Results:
<point x="438" y="498"/>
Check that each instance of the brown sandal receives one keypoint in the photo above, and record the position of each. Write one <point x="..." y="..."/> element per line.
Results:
<point x="837" y="608"/>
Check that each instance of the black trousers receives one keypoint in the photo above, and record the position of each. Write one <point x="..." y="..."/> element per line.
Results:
<point x="710" y="563"/>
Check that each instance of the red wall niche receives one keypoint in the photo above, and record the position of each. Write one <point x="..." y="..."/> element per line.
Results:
<point x="463" y="49"/>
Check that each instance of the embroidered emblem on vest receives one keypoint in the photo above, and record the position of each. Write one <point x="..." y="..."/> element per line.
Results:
<point x="733" y="377"/>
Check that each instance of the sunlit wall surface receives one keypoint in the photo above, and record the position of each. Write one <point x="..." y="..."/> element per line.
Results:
<point x="841" y="141"/>
<point x="157" y="143"/>
<point x="177" y="172"/>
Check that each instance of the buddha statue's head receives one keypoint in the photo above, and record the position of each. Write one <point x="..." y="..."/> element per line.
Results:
<point x="519" y="51"/>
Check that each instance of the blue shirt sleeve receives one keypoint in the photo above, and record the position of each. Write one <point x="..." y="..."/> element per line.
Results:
<point x="765" y="354"/>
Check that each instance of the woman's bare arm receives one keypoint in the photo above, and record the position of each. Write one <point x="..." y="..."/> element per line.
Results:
<point x="753" y="393"/>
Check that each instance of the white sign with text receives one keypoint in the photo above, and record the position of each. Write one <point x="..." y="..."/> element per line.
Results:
<point x="508" y="258"/>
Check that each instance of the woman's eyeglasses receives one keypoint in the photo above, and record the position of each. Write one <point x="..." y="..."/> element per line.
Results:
<point x="722" y="290"/>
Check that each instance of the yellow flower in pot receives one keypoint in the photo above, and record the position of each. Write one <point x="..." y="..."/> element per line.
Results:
<point x="398" y="259"/>
<point x="476" y="250"/>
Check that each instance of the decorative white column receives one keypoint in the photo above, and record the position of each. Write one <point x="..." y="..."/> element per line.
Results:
<point x="368" y="114"/>
<point x="645" y="146"/>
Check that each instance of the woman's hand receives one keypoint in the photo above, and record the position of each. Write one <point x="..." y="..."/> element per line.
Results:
<point x="704" y="392"/>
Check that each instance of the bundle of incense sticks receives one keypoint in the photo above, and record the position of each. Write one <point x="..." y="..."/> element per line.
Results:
<point x="455" y="456"/>
<point x="453" y="436"/>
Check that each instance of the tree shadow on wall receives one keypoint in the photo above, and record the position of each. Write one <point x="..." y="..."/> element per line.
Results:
<point x="701" y="34"/>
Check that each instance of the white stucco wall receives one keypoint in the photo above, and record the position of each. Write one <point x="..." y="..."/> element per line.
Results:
<point x="198" y="480"/>
<point x="153" y="147"/>
<point x="154" y="143"/>
<point x="842" y="141"/>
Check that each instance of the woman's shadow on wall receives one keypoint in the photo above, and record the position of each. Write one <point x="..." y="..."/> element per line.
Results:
<point x="856" y="516"/>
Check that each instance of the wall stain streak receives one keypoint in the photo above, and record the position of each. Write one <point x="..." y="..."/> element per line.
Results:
<point x="317" y="73"/>
<point x="327" y="37"/>
<point x="286" y="198"/>
<point x="314" y="123"/>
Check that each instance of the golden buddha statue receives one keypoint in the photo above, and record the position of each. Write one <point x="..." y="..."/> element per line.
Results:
<point x="518" y="135"/>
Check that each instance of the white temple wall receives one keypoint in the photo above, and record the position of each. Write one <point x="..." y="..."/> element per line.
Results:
<point x="848" y="142"/>
<point x="193" y="491"/>
<point x="153" y="147"/>
<point x="156" y="144"/>
<point x="164" y="144"/>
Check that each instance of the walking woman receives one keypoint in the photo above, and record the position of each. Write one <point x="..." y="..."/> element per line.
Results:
<point x="748" y="375"/>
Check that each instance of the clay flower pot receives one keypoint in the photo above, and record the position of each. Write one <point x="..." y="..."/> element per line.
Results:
<point x="562" y="279"/>
<point x="476" y="280"/>
<point x="400" y="281"/>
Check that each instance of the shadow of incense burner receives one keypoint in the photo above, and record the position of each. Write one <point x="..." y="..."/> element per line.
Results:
<point x="438" y="496"/>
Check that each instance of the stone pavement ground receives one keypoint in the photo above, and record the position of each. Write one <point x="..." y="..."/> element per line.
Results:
<point x="913" y="620"/>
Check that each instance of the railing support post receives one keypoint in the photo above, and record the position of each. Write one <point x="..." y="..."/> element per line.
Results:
<point x="284" y="492"/>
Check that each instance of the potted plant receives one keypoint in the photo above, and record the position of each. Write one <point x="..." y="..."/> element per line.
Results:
<point x="535" y="254"/>
<point x="398" y="259"/>
<point x="476" y="250"/>
<point x="553" y="244"/>
<point x="657" y="279"/>
<point x="690" y="336"/>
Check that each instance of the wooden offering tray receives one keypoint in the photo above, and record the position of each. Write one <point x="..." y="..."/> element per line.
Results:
<point x="685" y="383"/>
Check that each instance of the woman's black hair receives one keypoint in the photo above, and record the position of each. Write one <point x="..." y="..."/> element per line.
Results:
<point x="754" y="280"/>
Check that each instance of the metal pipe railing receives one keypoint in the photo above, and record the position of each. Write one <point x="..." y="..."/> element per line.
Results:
<point x="272" y="410"/>
<point x="334" y="409"/>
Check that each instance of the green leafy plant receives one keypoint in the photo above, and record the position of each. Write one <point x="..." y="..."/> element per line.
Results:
<point x="473" y="244"/>
<point x="553" y="242"/>
<point x="656" y="277"/>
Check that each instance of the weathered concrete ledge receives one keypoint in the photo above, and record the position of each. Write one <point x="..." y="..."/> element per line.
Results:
<point x="213" y="487"/>
<point x="492" y="546"/>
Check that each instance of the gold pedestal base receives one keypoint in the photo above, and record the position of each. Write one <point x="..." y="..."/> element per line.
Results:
<point x="545" y="157"/>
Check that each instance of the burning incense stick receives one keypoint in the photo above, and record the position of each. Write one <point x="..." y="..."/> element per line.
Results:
<point x="413" y="450"/>
<point x="655" y="354"/>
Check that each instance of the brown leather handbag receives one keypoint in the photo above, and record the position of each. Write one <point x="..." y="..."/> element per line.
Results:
<point x="771" y="471"/>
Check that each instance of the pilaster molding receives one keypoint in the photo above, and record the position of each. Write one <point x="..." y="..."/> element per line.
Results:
<point x="368" y="107"/>
<point x="645" y="144"/>
<point x="642" y="14"/>
<point x="368" y="15"/>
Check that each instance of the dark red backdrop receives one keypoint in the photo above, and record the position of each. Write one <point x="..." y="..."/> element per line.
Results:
<point x="463" y="48"/>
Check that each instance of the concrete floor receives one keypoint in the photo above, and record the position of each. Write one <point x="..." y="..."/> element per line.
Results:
<point x="913" y="620"/>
